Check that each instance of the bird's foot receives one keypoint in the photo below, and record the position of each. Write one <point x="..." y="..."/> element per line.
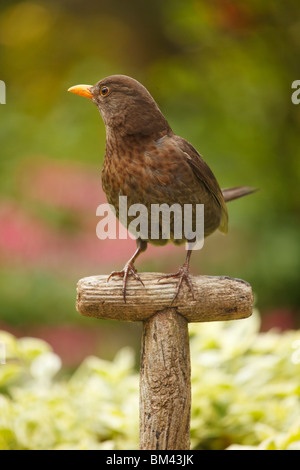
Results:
<point x="129" y="269"/>
<point x="182" y="275"/>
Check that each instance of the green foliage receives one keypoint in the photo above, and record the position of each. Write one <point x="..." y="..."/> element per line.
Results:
<point x="245" y="386"/>
<point x="245" y="393"/>
<point x="95" y="408"/>
<point x="221" y="73"/>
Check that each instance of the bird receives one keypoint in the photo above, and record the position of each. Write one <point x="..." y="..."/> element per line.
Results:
<point x="149" y="164"/>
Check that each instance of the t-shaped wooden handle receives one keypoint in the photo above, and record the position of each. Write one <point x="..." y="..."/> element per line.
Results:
<point x="165" y="383"/>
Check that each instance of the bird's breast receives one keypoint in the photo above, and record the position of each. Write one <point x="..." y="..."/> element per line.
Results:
<point x="145" y="177"/>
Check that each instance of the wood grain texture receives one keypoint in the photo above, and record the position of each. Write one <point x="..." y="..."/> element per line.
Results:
<point x="165" y="383"/>
<point x="216" y="298"/>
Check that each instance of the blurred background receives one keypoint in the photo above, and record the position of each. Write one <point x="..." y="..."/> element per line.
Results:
<point x="221" y="71"/>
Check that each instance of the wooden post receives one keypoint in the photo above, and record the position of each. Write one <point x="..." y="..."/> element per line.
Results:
<point x="165" y="383"/>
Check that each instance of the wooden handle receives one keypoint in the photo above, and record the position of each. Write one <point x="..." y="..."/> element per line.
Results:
<point x="165" y="383"/>
<point x="216" y="298"/>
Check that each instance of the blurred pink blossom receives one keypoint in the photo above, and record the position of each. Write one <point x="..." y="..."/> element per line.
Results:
<point x="68" y="185"/>
<point x="27" y="239"/>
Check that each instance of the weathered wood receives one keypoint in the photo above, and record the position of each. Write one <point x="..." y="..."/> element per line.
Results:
<point x="165" y="383"/>
<point x="165" y="386"/>
<point x="216" y="298"/>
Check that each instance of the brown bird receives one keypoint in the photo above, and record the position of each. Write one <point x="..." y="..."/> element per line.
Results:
<point x="148" y="163"/>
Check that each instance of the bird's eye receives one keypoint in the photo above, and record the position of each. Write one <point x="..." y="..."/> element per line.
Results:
<point x="104" y="90"/>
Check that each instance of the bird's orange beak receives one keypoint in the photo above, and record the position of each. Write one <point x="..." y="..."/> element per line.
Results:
<point x="82" y="90"/>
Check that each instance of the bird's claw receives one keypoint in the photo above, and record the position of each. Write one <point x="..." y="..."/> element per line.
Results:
<point x="128" y="269"/>
<point x="183" y="275"/>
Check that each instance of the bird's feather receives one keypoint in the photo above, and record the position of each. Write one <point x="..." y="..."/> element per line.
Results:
<point x="206" y="177"/>
<point x="230" y="194"/>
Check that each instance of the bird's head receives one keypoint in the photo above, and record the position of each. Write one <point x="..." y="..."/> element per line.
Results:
<point x="126" y="106"/>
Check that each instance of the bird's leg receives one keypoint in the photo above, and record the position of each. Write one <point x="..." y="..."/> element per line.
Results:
<point x="129" y="267"/>
<point x="183" y="275"/>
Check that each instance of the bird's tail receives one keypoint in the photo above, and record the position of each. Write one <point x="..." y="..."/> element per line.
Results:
<point x="234" y="193"/>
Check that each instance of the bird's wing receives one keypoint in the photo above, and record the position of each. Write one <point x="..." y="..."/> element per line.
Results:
<point x="206" y="176"/>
